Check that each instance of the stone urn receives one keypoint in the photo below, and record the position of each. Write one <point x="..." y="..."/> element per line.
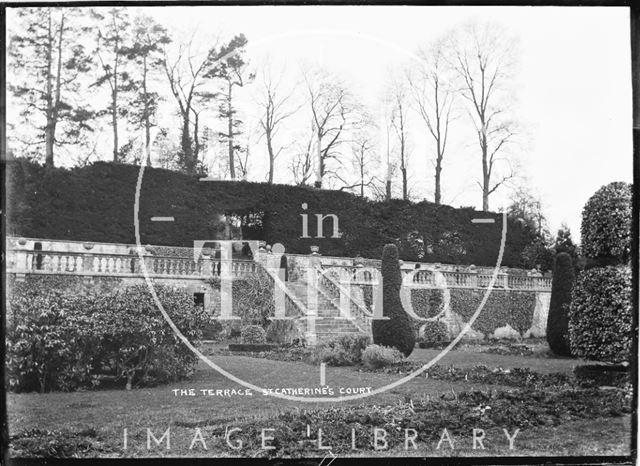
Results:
<point x="88" y="245"/>
<point x="315" y="250"/>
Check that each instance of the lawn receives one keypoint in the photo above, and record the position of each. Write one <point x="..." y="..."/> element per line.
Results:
<point x="93" y="422"/>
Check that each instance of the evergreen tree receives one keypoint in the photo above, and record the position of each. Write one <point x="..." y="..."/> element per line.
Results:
<point x="47" y="61"/>
<point x="397" y="330"/>
<point x="558" y="318"/>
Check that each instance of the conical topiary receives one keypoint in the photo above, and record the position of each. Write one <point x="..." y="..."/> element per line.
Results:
<point x="397" y="331"/>
<point x="558" y="318"/>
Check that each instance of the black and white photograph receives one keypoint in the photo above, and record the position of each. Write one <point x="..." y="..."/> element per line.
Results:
<point x="328" y="232"/>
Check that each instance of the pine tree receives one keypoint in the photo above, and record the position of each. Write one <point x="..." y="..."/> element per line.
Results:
<point x="47" y="60"/>
<point x="396" y="331"/>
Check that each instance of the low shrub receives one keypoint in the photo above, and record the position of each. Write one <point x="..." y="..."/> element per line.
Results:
<point x="434" y="333"/>
<point x="344" y="351"/>
<point x="601" y="374"/>
<point x="283" y="331"/>
<point x="212" y="330"/>
<point x="253" y="334"/>
<point x="64" y="341"/>
<point x="376" y="356"/>
<point x="601" y="316"/>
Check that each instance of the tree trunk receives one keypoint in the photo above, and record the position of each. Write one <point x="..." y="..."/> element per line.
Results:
<point x="114" y="106"/>
<point x="185" y="144"/>
<point x="404" y="183"/>
<point x="485" y="180"/>
<point x="147" y="125"/>
<point x="271" y="156"/>
<point x="232" y="165"/>
<point x="388" y="193"/>
<point x="48" y="131"/>
<point x="320" y="172"/>
<point x="437" y="190"/>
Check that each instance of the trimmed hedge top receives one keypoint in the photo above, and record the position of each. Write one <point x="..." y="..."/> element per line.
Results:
<point x="96" y="202"/>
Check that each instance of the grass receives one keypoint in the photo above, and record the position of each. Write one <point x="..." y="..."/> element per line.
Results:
<point x="92" y="422"/>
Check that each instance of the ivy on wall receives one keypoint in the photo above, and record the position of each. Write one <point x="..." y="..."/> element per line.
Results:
<point x="514" y="308"/>
<point x="427" y="302"/>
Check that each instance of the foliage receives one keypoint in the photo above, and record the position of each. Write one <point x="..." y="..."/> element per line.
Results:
<point x="282" y="331"/>
<point x="376" y="356"/>
<point x="435" y="333"/>
<point x="343" y="351"/>
<point x="606" y="224"/>
<point x="253" y="334"/>
<point x="558" y="318"/>
<point x="64" y="340"/>
<point x="62" y="205"/>
<point x="427" y="302"/>
<point x="252" y="298"/>
<point x="396" y="331"/>
<point x="564" y="243"/>
<point x="600" y="316"/>
<point x="537" y="255"/>
<point x="50" y="347"/>
<point x="511" y="307"/>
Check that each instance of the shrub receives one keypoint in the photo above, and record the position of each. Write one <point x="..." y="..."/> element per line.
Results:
<point x="606" y="224"/>
<point x="376" y="356"/>
<point x="212" y="329"/>
<point x="253" y="334"/>
<point x="46" y="346"/>
<point x="558" y="318"/>
<point x="435" y="333"/>
<point x="396" y="331"/>
<point x="427" y="302"/>
<point x="136" y="342"/>
<point x="283" y="331"/>
<point x="252" y="298"/>
<point x="343" y="351"/>
<point x="63" y="340"/>
<point x="600" y="315"/>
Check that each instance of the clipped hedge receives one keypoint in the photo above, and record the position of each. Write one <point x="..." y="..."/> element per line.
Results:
<point x="558" y="317"/>
<point x="397" y="330"/>
<point x="511" y="307"/>
<point x="94" y="203"/>
<point x="600" y="316"/>
<point x="606" y="224"/>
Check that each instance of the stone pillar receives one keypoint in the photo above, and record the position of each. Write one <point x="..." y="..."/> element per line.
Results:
<point x="226" y="282"/>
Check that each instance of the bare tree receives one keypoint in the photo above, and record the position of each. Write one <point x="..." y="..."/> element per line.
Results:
<point x="301" y="165"/>
<point x="482" y="58"/>
<point x="331" y="108"/>
<point x="186" y="74"/>
<point x="275" y="105"/>
<point x="363" y="161"/>
<point x="398" y="97"/>
<point x="433" y="98"/>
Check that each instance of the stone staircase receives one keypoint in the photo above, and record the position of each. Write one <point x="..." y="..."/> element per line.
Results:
<point x="329" y="324"/>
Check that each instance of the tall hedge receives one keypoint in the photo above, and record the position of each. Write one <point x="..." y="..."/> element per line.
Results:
<point x="558" y="318"/>
<point x="95" y="203"/>
<point x="397" y="330"/>
<point x="600" y="317"/>
<point x="606" y="224"/>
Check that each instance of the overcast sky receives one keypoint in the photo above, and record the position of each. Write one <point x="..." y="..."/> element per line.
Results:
<point x="573" y="88"/>
<point x="573" y="84"/>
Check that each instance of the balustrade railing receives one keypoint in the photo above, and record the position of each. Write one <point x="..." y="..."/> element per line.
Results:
<point x="26" y="261"/>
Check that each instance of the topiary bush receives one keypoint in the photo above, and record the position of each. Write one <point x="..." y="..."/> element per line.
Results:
<point x="558" y="318"/>
<point x="434" y="333"/>
<point x="600" y="315"/>
<point x="283" y="331"/>
<point x="606" y="224"/>
<point x="343" y="351"/>
<point x="376" y="356"/>
<point x="396" y="331"/>
<point x="253" y="334"/>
